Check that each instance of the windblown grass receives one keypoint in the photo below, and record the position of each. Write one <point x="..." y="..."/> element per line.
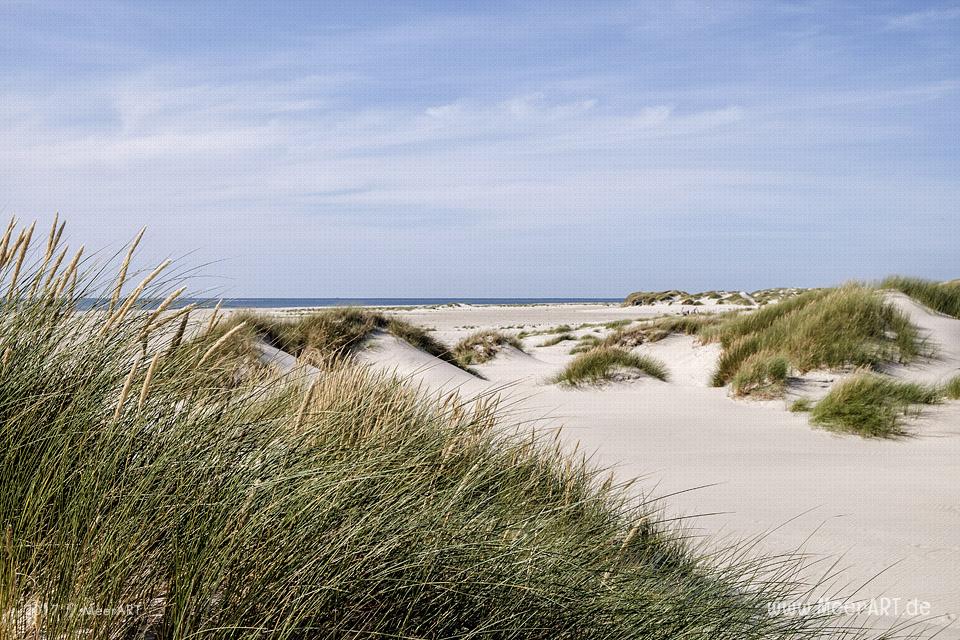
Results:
<point x="951" y="389"/>
<point x="940" y="296"/>
<point x="483" y="346"/>
<point x="140" y="497"/>
<point x="604" y="364"/>
<point x="587" y="342"/>
<point x="660" y="328"/>
<point x="337" y="333"/>
<point x="640" y="298"/>
<point x="762" y="375"/>
<point x="843" y="327"/>
<point x="871" y="405"/>
<point x="557" y="339"/>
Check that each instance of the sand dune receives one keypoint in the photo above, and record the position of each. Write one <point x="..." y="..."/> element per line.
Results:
<point x="384" y="352"/>
<point x="941" y="331"/>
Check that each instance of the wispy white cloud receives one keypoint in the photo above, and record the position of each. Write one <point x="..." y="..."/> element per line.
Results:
<point x="922" y="19"/>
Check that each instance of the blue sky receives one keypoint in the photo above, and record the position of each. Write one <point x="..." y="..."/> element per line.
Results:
<point x="492" y="149"/>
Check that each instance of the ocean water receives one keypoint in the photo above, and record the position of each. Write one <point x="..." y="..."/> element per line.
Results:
<point x="296" y="303"/>
<point x="262" y="303"/>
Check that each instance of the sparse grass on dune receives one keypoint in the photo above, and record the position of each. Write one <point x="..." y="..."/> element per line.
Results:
<point x="871" y="405"/>
<point x="847" y="326"/>
<point x="557" y="339"/>
<point x="603" y="364"/>
<point x="655" y="330"/>
<point x="586" y="343"/>
<point x="560" y="328"/>
<point x="483" y="346"/>
<point x="640" y="298"/>
<point x="939" y="296"/>
<point x="762" y="375"/>
<point x="142" y="497"/>
<point x="337" y="332"/>
<point x="952" y="388"/>
<point x="627" y="338"/>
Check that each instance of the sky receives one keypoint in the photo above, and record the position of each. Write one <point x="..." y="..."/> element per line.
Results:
<point x="328" y="149"/>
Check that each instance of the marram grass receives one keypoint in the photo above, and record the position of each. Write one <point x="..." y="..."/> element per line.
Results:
<point x="167" y="486"/>
<point x="851" y="326"/>
<point x="952" y="388"/>
<point x="483" y="346"/>
<point x="605" y="364"/>
<point x="871" y="405"/>
<point x="338" y="332"/>
<point x="939" y="296"/>
<point x="762" y="375"/>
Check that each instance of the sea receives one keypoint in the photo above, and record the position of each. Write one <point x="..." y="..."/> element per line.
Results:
<point x="267" y="303"/>
<point x="299" y="303"/>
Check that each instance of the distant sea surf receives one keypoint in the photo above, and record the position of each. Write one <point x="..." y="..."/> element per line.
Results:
<point x="267" y="303"/>
<point x="299" y="303"/>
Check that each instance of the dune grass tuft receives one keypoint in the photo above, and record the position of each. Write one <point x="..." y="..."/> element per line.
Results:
<point x="557" y="339"/>
<point x="483" y="346"/>
<point x="871" y="405"/>
<point x="627" y="337"/>
<point x="337" y="332"/>
<point x="951" y="389"/>
<point x="762" y="375"/>
<point x="940" y="296"/>
<point x="832" y="328"/>
<point x="604" y="364"/>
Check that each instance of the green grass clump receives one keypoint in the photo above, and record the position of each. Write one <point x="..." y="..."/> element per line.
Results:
<point x="656" y="330"/>
<point x="940" y="296"/>
<point x="871" y="405"/>
<point x="563" y="337"/>
<point x="639" y="298"/>
<point x="483" y="346"/>
<point x="614" y="325"/>
<point x="801" y="405"/>
<point x="586" y="343"/>
<point x="602" y="364"/>
<point x="627" y="338"/>
<point x="338" y="332"/>
<point x="762" y="375"/>
<point x="952" y="388"/>
<point x="847" y="326"/>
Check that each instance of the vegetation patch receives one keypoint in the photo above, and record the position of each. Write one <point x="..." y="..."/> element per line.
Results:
<point x="627" y="338"/>
<point x="940" y="296"/>
<point x="833" y="328"/>
<point x="606" y="364"/>
<point x="871" y="405"/>
<point x="952" y="389"/>
<point x="762" y="375"/>
<point x="586" y="343"/>
<point x="641" y="298"/>
<point x="483" y="346"/>
<point x="337" y="333"/>
<point x="555" y="340"/>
